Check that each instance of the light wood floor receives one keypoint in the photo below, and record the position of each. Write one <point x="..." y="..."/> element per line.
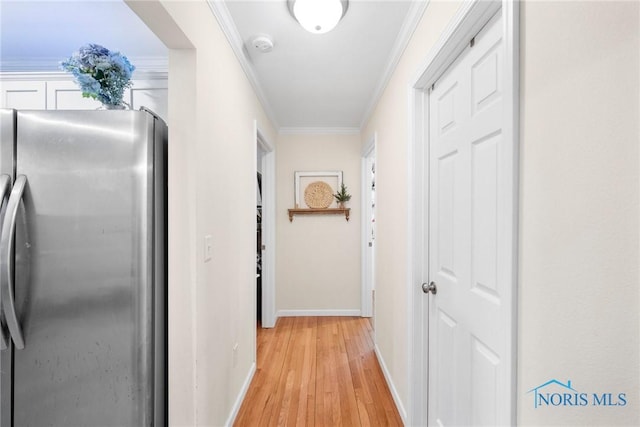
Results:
<point x="318" y="371"/>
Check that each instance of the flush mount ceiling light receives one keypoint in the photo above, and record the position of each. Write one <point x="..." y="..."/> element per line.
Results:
<point x="318" y="16"/>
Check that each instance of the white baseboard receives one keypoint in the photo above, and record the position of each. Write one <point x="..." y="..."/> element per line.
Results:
<point x="243" y="392"/>
<point x="319" y="313"/>
<point x="392" y="387"/>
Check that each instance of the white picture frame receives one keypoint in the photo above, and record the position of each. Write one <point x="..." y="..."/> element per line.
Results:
<point x="302" y="179"/>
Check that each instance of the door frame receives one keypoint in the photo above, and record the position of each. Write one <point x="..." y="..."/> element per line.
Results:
<point x="368" y="262"/>
<point x="468" y="21"/>
<point x="268" y="273"/>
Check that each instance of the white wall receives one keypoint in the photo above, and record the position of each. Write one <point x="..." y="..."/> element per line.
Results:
<point x="318" y="256"/>
<point x="212" y="108"/>
<point x="391" y="122"/>
<point x="182" y="240"/>
<point x="579" y="207"/>
<point x="579" y="222"/>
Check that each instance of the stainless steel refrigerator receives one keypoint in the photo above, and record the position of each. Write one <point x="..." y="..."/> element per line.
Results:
<point x="83" y="276"/>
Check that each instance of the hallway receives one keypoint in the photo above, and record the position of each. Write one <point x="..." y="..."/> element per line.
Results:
<point x="318" y="371"/>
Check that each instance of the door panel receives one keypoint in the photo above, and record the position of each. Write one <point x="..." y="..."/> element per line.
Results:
<point x="484" y="382"/>
<point x="446" y="210"/>
<point x="467" y="334"/>
<point x="66" y="95"/>
<point x="23" y="95"/>
<point x="485" y="78"/>
<point x="485" y="226"/>
<point x="445" y="377"/>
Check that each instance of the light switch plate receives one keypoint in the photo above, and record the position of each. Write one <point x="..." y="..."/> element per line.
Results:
<point x="208" y="247"/>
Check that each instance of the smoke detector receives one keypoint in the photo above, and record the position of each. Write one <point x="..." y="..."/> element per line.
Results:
<point x="262" y="43"/>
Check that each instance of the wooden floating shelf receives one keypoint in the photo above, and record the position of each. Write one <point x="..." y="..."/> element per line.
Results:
<point x="333" y="211"/>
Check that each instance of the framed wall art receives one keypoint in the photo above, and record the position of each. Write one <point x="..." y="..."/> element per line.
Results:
<point x="315" y="190"/>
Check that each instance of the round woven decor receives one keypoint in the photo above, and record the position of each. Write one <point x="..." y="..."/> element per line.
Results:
<point x="318" y="195"/>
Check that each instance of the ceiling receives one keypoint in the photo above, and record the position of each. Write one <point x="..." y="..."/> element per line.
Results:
<point x="307" y="81"/>
<point x="321" y="80"/>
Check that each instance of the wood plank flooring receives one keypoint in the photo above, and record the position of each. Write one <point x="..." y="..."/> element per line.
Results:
<point x="318" y="371"/>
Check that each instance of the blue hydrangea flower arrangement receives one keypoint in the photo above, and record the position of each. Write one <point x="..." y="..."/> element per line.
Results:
<point x="100" y="73"/>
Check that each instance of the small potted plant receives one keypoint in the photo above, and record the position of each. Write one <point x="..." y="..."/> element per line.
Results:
<point x="342" y="196"/>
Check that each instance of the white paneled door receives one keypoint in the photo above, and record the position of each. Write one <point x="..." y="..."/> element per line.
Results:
<point x="469" y="195"/>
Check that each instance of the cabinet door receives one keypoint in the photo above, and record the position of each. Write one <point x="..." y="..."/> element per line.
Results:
<point x="23" y="95"/>
<point x="151" y="94"/>
<point x="65" y="95"/>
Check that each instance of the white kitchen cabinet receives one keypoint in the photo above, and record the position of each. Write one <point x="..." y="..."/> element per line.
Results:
<point x="23" y="95"/>
<point x="65" y="95"/>
<point x="58" y="92"/>
<point x="152" y="94"/>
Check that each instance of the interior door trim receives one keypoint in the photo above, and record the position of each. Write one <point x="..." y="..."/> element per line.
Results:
<point x="468" y="21"/>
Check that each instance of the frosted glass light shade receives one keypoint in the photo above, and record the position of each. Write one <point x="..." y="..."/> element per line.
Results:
<point x="318" y="16"/>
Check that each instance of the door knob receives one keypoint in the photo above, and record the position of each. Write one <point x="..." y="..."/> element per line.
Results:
<point x="431" y="287"/>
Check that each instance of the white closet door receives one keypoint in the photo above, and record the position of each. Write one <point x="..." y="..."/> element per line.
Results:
<point x="469" y="198"/>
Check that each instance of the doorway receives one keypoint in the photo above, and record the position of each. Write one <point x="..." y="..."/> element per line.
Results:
<point x="259" y="240"/>
<point x="368" y="227"/>
<point x="266" y="236"/>
<point x="464" y="158"/>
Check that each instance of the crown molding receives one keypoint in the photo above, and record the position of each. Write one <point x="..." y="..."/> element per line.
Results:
<point x="30" y="65"/>
<point x="319" y="131"/>
<point x="143" y="64"/>
<point x="222" y="15"/>
<point x="409" y="26"/>
<point x="26" y="76"/>
<point x="52" y="76"/>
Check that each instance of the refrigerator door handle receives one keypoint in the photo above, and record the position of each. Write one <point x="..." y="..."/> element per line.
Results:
<point x="5" y="182"/>
<point x="6" y="267"/>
